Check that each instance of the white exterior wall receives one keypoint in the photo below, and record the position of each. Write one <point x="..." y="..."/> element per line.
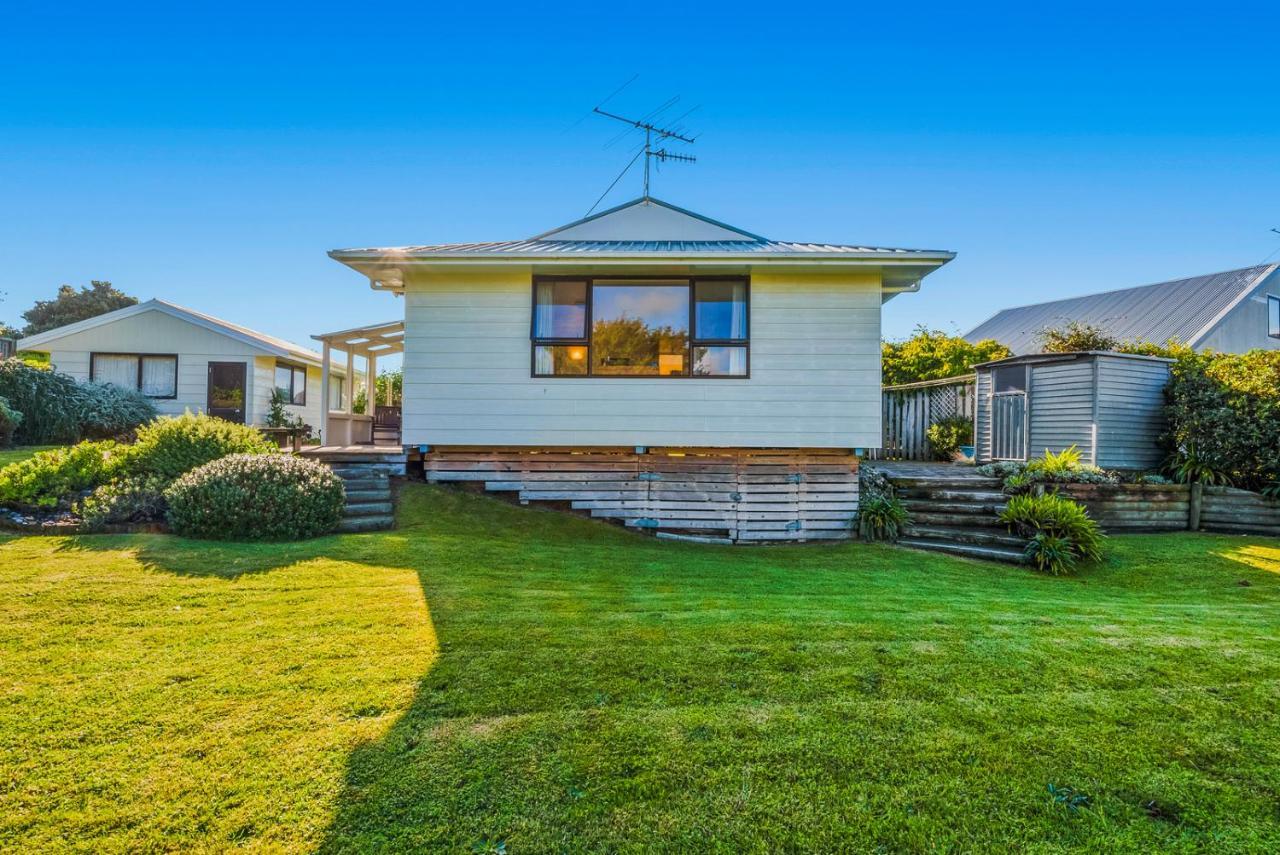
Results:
<point x="815" y="372"/>
<point x="196" y="347"/>
<point x="1245" y="327"/>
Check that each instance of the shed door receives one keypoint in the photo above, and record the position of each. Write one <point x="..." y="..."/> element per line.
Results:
<point x="1009" y="413"/>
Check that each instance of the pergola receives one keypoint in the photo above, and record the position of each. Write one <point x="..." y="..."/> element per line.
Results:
<point x="342" y="426"/>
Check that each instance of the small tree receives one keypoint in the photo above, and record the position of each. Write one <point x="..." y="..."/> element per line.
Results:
<point x="935" y="355"/>
<point x="1074" y="336"/>
<point x="71" y="305"/>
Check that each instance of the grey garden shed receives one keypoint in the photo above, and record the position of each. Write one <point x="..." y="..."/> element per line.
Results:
<point x="1109" y="405"/>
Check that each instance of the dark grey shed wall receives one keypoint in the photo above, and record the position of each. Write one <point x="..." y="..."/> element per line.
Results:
<point x="1111" y="407"/>
<point x="1130" y="412"/>
<point x="1062" y="408"/>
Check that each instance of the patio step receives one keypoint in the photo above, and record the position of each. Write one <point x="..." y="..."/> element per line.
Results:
<point x="952" y="494"/>
<point x="353" y="470"/>
<point x="967" y="550"/>
<point x="953" y="506"/>
<point x="382" y="494"/>
<point x="352" y="525"/>
<point x="938" y="482"/>
<point x="954" y="520"/>
<point x="978" y="536"/>
<point x="368" y="509"/>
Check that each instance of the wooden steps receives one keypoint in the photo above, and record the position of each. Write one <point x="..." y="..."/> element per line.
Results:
<point x="366" y="474"/>
<point x="957" y="514"/>
<point x="706" y="495"/>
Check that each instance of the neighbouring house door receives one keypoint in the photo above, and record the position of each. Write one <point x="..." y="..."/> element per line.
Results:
<point x="226" y="390"/>
<point x="1009" y="413"/>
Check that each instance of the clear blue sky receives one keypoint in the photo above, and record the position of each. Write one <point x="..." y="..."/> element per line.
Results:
<point x="211" y="153"/>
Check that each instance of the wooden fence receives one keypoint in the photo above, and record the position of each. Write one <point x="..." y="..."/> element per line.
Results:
<point x="909" y="409"/>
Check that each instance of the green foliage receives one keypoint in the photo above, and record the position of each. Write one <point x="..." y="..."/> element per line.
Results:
<point x="1073" y="337"/>
<point x="277" y="415"/>
<point x="1061" y="532"/>
<point x="57" y="409"/>
<point x="934" y="355"/>
<point x="52" y="479"/>
<point x="70" y="306"/>
<point x="256" y="497"/>
<point x="393" y="378"/>
<point x="1223" y="413"/>
<point x="881" y="518"/>
<point x="173" y="445"/>
<point x="1063" y="467"/>
<point x="133" y="499"/>
<point x="945" y="436"/>
<point x="9" y="421"/>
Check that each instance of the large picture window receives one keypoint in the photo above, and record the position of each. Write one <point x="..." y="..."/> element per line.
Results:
<point x="291" y="380"/>
<point x="640" y="327"/>
<point x="154" y="375"/>
<point x="1273" y="316"/>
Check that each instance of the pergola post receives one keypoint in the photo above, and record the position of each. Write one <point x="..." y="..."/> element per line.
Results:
<point x="371" y="384"/>
<point x="350" y="379"/>
<point x="326" y="358"/>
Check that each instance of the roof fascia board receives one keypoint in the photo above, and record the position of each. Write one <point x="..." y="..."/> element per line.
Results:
<point x="807" y="258"/>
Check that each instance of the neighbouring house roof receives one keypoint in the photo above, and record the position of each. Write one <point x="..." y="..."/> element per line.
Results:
<point x="1182" y="309"/>
<point x="645" y="230"/>
<point x="262" y="341"/>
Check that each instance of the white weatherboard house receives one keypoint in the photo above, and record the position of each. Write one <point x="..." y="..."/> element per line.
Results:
<point x="185" y="360"/>
<point x="648" y="364"/>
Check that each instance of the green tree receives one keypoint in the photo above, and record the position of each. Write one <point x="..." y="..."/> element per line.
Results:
<point x="71" y="305"/>
<point x="934" y="355"/>
<point x="1074" y="337"/>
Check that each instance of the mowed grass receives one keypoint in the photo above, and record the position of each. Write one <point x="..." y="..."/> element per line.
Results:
<point x="489" y="675"/>
<point x="21" y="453"/>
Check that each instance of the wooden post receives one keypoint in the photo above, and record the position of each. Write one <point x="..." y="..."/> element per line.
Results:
<point x="370" y="386"/>
<point x="1194" y="503"/>
<point x="326" y="358"/>
<point x="350" y="380"/>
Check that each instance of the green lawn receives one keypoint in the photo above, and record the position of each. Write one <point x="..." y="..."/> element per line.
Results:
<point x="20" y="453"/>
<point x="489" y="674"/>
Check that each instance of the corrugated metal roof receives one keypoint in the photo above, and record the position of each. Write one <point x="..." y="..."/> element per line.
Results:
<point x="1183" y="309"/>
<point x="558" y="248"/>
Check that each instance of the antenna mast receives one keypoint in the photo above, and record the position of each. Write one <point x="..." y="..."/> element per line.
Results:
<point x="650" y="131"/>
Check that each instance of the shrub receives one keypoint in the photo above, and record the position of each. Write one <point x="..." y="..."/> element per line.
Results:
<point x="256" y="497"/>
<point x="107" y="411"/>
<point x="945" y="436"/>
<point x="173" y="445"/>
<point x="135" y="499"/>
<point x="54" y="478"/>
<point x="1060" y="531"/>
<point x="1064" y="467"/>
<point x="56" y="409"/>
<point x="9" y="421"/>
<point x="1074" y="336"/>
<point x="881" y="518"/>
<point x="934" y="355"/>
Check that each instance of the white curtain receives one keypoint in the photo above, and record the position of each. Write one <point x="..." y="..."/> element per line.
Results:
<point x="738" y="317"/>
<point x="544" y="361"/>
<point x="737" y="355"/>
<point x="119" y="371"/>
<point x="544" y="311"/>
<point x="159" y="376"/>
<point x="335" y="394"/>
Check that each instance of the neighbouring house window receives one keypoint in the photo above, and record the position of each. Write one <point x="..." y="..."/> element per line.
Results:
<point x="291" y="380"/>
<point x="154" y="375"/>
<point x="640" y="327"/>
<point x="1273" y="316"/>
<point x="336" y="388"/>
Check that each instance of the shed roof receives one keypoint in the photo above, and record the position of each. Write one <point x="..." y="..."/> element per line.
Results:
<point x="1071" y="356"/>
<point x="267" y="343"/>
<point x="1182" y="309"/>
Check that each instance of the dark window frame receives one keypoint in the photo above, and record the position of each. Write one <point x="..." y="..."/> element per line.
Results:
<point x="93" y="363"/>
<point x="293" y="379"/>
<point x="689" y="281"/>
<point x="1273" y="311"/>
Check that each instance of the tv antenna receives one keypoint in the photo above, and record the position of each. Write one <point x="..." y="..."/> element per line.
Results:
<point x="654" y="134"/>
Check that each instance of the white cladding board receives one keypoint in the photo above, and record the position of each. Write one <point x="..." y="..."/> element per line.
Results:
<point x="195" y="346"/>
<point x="815" y="372"/>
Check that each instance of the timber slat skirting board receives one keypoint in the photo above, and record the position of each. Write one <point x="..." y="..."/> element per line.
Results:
<point x="714" y="495"/>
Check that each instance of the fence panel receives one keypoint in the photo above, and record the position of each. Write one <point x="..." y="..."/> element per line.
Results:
<point x="908" y="411"/>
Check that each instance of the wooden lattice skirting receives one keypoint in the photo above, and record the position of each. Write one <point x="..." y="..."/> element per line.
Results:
<point x="728" y="495"/>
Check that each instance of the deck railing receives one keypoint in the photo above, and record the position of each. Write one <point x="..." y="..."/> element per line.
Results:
<point x="909" y="409"/>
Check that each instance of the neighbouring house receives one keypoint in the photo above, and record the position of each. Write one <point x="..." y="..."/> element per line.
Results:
<point x="185" y="360"/>
<point x="646" y="364"/>
<point x="1110" y="406"/>
<point x="1230" y="312"/>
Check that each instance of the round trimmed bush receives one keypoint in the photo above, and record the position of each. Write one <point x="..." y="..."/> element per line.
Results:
<point x="172" y="446"/>
<point x="256" y="497"/>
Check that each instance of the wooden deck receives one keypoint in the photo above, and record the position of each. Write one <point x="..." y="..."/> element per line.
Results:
<point x="719" y="495"/>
